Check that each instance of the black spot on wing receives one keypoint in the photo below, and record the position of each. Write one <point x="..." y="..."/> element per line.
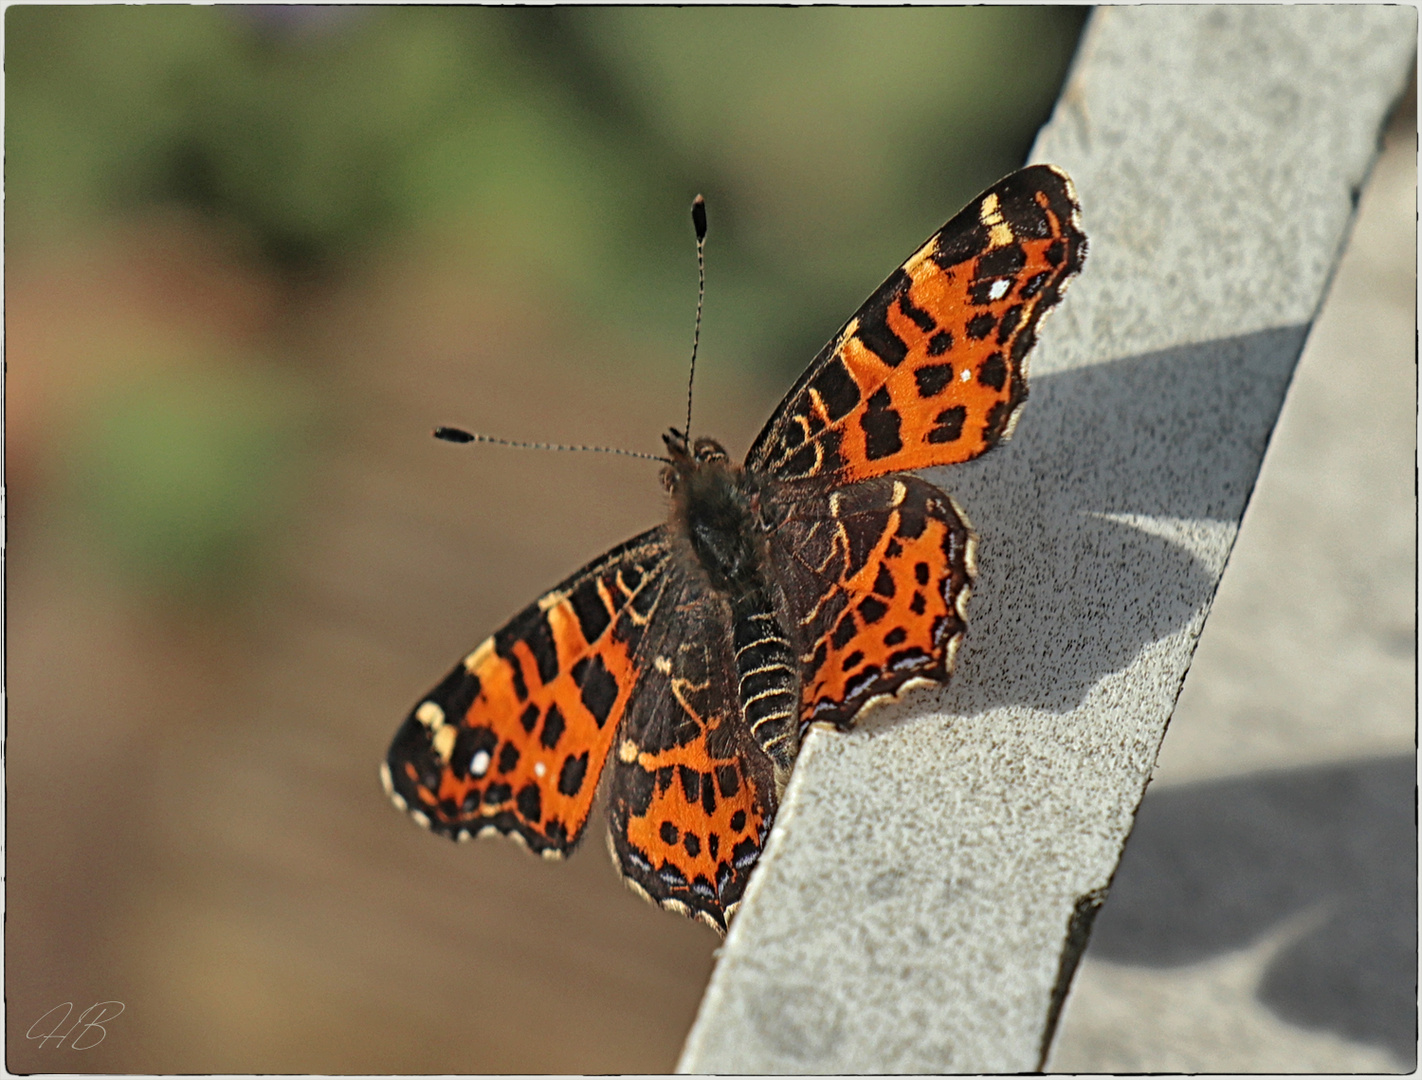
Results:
<point x="508" y="758"/>
<point x="948" y="425"/>
<point x="530" y="802"/>
<point x="993" y="372"/>
<point x="495" y="794"/>
<point x="531" y="627"/>
<point x="592" y="613"/>
<point x="597" y="686"/>
<point x="932" y="379"/>
<point x="980" y="325"/>
<point x="516" y="672"/>
<point x="690" y="784"/>
<point x="553" y="726"/>
<point x="940" y="343"/>
<point x="1006" y="261"/>
<point x="837" y="389"/>
<point x="872" y="609"/>
<point x="881" y="427"/>
<point x="570" y="777"/>
<point x="884" y="582"/>
<point x="874" y="330"/>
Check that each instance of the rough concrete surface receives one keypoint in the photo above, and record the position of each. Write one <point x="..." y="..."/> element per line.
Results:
<point x="912" y="907"/>
<point x="1264" y="917"/>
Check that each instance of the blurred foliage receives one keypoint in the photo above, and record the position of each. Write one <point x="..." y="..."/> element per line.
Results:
<point x="567" y="142"/>
<point x="182" y="476"/>
<point x="559" y="147"/>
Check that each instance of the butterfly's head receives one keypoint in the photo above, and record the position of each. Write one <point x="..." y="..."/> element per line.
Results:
<point x="688" y="456"/>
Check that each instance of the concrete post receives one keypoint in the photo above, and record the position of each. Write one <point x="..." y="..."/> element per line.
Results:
<point x="932" y="876"/>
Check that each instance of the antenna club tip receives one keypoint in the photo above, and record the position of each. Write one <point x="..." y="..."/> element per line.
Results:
<point x="453" y="434"/>
<point x="698" y="217"/>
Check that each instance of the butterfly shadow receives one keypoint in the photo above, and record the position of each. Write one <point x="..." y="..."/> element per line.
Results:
<point x="1086" y="518"/>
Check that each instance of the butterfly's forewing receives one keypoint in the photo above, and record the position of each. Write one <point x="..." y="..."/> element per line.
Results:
<point x="880" y="572"/>
<point x="515" y="737"/>
<point x="691" y="795"/>
<point x="932" y="369"/>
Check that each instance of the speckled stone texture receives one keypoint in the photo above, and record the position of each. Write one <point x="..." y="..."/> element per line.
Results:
<point x="912" y="909"/>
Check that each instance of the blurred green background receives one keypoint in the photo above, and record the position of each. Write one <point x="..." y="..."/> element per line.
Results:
<point x="253" y="254"/>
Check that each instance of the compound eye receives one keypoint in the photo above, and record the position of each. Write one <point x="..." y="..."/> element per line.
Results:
<point x="708" y="450"/>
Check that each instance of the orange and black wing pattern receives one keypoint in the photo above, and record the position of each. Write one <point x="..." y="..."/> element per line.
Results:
<point x="691" y="795"/>
<point x="878" y="574"/>
<point x="933" y="368"/>
<point x="515" y="737"/>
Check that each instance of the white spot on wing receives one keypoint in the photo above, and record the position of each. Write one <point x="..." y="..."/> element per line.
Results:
<point x="429" y="714"/>
<point x="966" y="375"/>
<point x="539" y="769"/>
<point x="479" y="763"/>
<point x="999" y="289"/>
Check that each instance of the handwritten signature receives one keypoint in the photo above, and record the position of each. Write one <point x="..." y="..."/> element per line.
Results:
<point x="83" y="1028"/>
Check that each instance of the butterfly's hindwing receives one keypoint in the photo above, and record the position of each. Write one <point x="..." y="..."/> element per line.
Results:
<point x="932" y="369"/>
<point x="515" y="737"/>
<point x="878" y="576"/>
<point x="691" y="796"/>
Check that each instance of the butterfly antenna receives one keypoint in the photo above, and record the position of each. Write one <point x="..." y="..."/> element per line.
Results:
<point x="459" y="435"/>
<point x="698" y="219"/>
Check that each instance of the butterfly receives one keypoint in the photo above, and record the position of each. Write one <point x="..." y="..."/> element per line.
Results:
<point x="681" y="669"/>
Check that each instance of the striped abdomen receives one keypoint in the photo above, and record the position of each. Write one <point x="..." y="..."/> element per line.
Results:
<point x="767" y="680"/>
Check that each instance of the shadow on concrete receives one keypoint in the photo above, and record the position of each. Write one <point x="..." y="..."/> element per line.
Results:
<point x="1212" y="867"/>
<point x="1071" y="595"/>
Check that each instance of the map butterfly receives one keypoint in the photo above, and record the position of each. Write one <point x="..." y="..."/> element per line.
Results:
<point x="681" y="669"/>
